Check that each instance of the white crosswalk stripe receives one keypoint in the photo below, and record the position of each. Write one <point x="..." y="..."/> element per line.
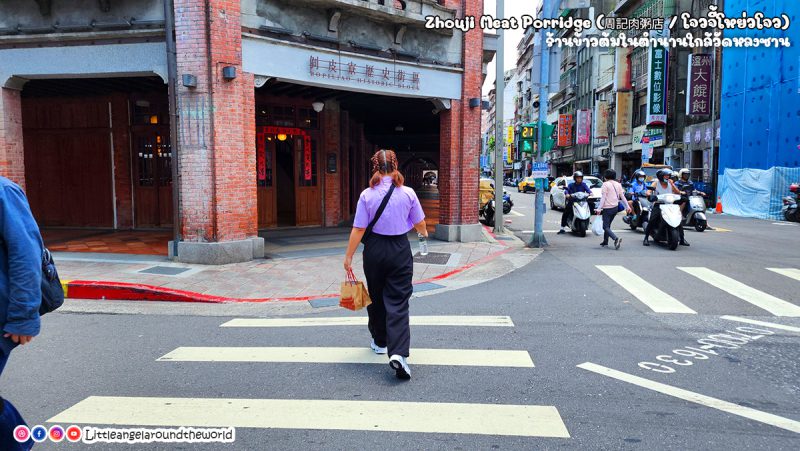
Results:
<point x="660" y="301"/>
<point x="647" y="293"/>
<point x="794" y="273"/>
<point x="450" y="418"/>
<point x="478" y="321"/>
<point x="449" y="357"/>
<point x="762" y="323"/>
<point x="772" y="304"/>
<point x="414" y="417"/>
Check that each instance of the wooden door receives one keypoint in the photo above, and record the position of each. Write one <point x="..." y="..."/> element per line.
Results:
<point x="152" y="180"/>
<point x="67" y="146"/>
<point x="307" y="189"/>
<point x="265" y="181"/>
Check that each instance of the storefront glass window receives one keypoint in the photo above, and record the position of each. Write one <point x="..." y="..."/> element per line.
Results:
<point x="308" y="118"/>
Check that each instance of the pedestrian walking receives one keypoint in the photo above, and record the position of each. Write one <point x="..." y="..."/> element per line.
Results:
<point x="20" y="292"/>
<point x="385" y="213"/>
<point x="612" y="201"/>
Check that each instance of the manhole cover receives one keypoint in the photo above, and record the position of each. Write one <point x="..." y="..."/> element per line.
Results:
<point x="433" y="258"/>
<point x="164" y="270"/>
<point x="503" y="238"/>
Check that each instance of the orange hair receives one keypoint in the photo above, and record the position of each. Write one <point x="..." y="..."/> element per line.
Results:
<point x="384" y="163"/>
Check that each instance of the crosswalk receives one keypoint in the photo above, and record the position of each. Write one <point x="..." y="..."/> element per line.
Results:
<point x="659" y="301"/>
<point x="519" y="420"/>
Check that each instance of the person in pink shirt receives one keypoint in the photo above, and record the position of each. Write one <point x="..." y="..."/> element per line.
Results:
<point x="388" y="262"/>
<point x="611" y="195"/>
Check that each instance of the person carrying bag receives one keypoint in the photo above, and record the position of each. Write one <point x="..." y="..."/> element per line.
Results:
<point x="385" y="213"/>
<point x="612" y="201"/>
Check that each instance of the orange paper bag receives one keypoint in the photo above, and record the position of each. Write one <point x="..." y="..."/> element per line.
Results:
<point x="354" y="295"/>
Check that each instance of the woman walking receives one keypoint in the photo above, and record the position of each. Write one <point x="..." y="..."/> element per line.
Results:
<point x="385" y="213"/>
<point x="610" y="197"/>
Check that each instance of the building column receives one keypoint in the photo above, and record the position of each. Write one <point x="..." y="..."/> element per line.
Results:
<point x="331" y="116"/>
<point x="12" y="158"/>
<point x="216" y="128"/>
<point x="460" y="142"/>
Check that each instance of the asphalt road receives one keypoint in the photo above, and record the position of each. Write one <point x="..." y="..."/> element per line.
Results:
<point x="565" y="311"/>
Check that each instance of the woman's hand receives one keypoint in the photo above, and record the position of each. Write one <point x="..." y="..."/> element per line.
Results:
<point x="348" y="262"/>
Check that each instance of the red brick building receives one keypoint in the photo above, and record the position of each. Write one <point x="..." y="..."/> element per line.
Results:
<point x="274" y="110"/>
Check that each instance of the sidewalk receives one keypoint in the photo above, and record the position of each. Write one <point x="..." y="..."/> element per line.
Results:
<point x="301" y="273"/>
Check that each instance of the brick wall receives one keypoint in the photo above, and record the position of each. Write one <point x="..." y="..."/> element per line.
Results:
<point x="331" y="143"/>
<point x="12" y="160"/>
<point x="460" y="132"/>
<point x="218" y="198"/>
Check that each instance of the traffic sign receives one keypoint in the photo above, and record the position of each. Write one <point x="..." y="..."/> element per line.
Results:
<point x="540" y="170"/>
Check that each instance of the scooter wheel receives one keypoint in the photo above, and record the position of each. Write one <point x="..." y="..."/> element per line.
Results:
<point x="673" y="238"/>
<point x="701" y="226"/>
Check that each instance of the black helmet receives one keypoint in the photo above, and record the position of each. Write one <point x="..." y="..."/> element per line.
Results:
<point x="577" y="174"/>
<point x="639" y="173"/>
<point x="663" y="174"/>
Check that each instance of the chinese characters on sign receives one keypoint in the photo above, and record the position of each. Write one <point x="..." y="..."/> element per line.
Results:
<point x="601" y="121"/>
<point x="657" y="83"/>
<point x="372" y="74"/>
<point x="584" y="126"/>
<point x="565" y="130"/>
<point x="510" y="135"/>
<point x="624" y="113"/>
<point x="698" y="89"/>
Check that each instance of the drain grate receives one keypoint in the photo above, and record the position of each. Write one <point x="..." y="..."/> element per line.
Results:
<point x="164" y="270"/>
<point x="324" y="302"/>
<point x="426" y="286"/>
<point x="433" y="258"/>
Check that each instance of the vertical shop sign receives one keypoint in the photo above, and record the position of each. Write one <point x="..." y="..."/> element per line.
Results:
<point x="698" y="85"/>
<point x="657" y="84"/>
<point x="584" y="126"/>
<point x="565" y="130"/>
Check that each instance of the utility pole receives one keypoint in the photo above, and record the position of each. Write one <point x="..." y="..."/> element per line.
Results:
<point x="538" y="239"/>
<point x="499" y="131"/>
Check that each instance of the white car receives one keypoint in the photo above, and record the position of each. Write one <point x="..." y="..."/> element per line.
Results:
<point x="558" y="198"/>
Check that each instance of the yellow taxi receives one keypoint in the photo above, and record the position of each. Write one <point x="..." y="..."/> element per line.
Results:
<point x="527" y="184"/>
<point x="651" y="169"/>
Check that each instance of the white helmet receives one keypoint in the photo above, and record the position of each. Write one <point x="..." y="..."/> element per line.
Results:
<point x="684" y="171"/>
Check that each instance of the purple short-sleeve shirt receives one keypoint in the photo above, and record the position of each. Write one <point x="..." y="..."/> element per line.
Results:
<point x="400" y="215"/>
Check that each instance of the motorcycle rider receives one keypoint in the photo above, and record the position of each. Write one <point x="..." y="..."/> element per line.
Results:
<point x="662" y="185"/>
<point x="577" y="186"/>
<point x="637" y="188"/>
<point x="685" y="185"/>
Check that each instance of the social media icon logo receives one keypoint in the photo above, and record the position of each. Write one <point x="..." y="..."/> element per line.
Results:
<point x="22" y="434"/>
<point x="74" y="434"/>
<point x="39" y="433"/>
<point x="56" y="433"/>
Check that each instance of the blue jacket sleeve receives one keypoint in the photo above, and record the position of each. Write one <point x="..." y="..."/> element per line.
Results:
<point x="585" y="188"/>
<point x="21" y="238"/>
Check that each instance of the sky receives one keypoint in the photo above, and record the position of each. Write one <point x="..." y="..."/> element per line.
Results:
<point x="512" y="37"/>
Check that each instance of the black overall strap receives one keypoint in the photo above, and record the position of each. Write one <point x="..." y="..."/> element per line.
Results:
<point x="378" y="213"/>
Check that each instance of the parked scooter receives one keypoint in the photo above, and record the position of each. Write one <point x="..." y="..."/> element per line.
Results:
<point x="578" y="220"/>
<point x="667" y="228"/>
<point x="790" y="207"/>
<point x="695" y="214"/>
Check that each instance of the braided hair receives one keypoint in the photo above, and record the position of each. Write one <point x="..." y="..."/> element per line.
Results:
<point x="384" y="162"/>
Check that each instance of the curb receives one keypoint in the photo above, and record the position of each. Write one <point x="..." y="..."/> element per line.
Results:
<point x="123" y="291"/>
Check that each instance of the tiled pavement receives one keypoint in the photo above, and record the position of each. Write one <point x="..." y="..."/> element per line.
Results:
<point x="293" y="270"/>
<point x="107" y="241"/>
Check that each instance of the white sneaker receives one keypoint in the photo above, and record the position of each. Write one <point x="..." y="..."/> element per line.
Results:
<point x="399" y="365"/>
<point x="377" y="349"/>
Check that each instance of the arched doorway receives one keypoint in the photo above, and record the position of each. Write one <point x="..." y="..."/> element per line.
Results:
<point x="422" y="174"/>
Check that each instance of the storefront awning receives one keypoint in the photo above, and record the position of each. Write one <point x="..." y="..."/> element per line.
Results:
<point x="347" y="71"/>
